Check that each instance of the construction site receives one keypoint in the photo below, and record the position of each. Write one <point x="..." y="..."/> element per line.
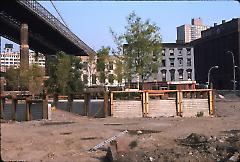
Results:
<point x="166" y="125"/>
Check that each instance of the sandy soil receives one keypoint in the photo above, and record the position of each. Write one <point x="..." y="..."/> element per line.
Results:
<point x="69" y="137"/>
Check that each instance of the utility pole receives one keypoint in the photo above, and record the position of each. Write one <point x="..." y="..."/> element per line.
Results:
<point x="234" y="72"/>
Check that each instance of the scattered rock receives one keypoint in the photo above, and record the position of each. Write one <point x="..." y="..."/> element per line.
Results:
<point x="235" y="157"/>
<point x="139" y="132"/>
<point x="151" y="158"/>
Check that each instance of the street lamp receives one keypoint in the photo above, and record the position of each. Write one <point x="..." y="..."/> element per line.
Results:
<point x="209" y="72"/>
<point x="234" y="76"/>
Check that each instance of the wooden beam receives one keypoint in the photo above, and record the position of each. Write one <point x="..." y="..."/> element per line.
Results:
<point x="111" y="102"/>
<point x="211" y="102"/>
<point x="2" y="100"/>
<point x="45" y="107"/>
<point x="179" y="98"/>
<point x="106" y="98"/>
<point x="14" y="107"/>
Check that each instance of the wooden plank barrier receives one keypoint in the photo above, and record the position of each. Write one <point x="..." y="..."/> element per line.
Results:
<point x="23" y="108"/>
<point x="157" y="103"/>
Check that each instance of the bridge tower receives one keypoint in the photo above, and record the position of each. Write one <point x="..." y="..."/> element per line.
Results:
<point x="24" y="48"/>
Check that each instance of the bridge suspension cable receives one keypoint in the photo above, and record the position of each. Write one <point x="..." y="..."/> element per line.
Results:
<point x="59" y="14"/>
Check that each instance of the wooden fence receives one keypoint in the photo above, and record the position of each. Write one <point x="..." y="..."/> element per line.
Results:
<point x="23" y="108"/>
<point x="156" y="103"/>
<point x="92" y="104"/>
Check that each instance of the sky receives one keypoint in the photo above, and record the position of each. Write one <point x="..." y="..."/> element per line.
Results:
<point x="91" y="20"/>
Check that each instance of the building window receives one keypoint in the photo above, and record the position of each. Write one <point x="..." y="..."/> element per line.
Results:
<point x="110" y="66"/>
<point x="171" y="62"/>
<point x="171" y="52"/>
<point x="172" y="75"/>
<point x="163" y="52"/>
<point x="164" y="75"/>
<point x="110" y="78"/>
<point x="180" y="61"/>
<point x="188" y="51"/>
<point x="85" y="79"/>
<point x="180" y="74"/>
<point x="189" y="63"/>
<point x="180" y="51"/>
<point x="163" y="63"/>
<point x="189" y="74"/>
<point x="94" y="80"/>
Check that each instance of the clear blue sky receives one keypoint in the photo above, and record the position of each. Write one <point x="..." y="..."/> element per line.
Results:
<point x="91" y="20"/>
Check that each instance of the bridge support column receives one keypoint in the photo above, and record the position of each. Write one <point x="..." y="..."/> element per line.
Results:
<point x="24" y="48"/>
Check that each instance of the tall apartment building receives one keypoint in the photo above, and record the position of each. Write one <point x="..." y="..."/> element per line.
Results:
<point x="9" y="58"/>
<point x="189" y="32"/>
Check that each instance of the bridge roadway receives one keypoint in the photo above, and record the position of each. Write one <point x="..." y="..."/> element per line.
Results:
<point x="46" y="34"/>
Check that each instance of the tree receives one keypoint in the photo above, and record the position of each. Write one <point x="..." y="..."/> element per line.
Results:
<point x="31" y="79"/>
<point x="76" y="83"/>
<point x="91" y="66"/>
<point x="142" y="50"/>
<point x="36" y="79"/>
<point x="118" y="71"/>
<point x="103" y="57"/>
<point x="65" y="75"/>
<point x="12" y="79"/>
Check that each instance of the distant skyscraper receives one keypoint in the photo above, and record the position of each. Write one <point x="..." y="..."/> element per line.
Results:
<point x="187" y="33"/>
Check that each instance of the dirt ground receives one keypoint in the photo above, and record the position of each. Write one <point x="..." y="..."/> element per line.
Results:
<point x="68" y="137"/>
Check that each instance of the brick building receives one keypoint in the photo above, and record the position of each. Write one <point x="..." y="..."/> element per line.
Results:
<point x="211" y="50"/>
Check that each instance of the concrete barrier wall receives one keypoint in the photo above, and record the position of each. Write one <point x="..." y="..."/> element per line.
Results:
<point x="78" y="107"/>
<point x="191" y="107"/>
<point x="36" y="111"/>
<point x="7" y="111"/>
<point x="127" y="109"/>
<point x="62" y="105"/>
<point x="164" y="108"/>
<point x="96" y="108"/>
<point x="21" y="111"/>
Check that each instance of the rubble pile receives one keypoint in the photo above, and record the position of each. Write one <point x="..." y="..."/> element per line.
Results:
<point x="195" y="147"/>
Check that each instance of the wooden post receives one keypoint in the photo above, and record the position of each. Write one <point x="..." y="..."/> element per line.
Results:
<point x="1" y="105"/>
<point x="14" y="107"/>
<point x="86" y="103"/>
<point x="105" y="95"/>
<point x="179" y="102"/>
<point x="45" y="107"/>
<point x="70" y="101"/>
<point x="211" y="102"/>
<point x="55" y="100"/>
<point x="28" y="111"/>
<point x="144" y="104"/>
<point x="111" y="102"/>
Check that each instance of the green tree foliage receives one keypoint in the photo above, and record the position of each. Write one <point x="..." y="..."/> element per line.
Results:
<point x="12" y="79"/>
<point x="31" y="79"/>
<point x="142" y="50"/>
<point x="76" y="84"/>
<point x="118" y="71"/>
<point x="65" y="74"/>
<point x="103" y="57"/>
<point x="36" y="79"/>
